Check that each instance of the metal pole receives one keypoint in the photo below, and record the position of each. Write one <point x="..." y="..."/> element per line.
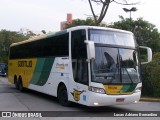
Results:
<point x="130" y="16"/>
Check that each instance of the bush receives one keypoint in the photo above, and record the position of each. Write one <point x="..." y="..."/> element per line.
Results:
<point x="151" y="77"/>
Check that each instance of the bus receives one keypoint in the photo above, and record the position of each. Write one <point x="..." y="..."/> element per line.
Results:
<point x="3" y="69"/>
<point x="88" y="65"/>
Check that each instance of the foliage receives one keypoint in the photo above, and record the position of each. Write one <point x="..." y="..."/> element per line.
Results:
<point x="145" y="33"/>
<point x="6" y="39"/>
<point x="43" y="31"/>
<point x="151" y="77"/>
<point x="79" y="22"/>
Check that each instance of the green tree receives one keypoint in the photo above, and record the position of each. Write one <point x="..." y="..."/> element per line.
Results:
<point x="151" y="77"/>
<point x="79" y="22"/>
<point x="145" y="33"/>
<point x="43" y="31"/>
<point x="30" y="34"/>
<point x="6" y="39"/>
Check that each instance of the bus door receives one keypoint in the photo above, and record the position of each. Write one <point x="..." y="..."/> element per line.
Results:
<point x="79" y="67"/>
<point x="80" y="73"/>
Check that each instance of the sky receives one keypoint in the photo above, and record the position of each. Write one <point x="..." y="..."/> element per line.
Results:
<point x="46" y="15"/>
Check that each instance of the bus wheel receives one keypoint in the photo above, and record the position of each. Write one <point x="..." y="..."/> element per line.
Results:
<point x="20" y="84"/>
<point x="16" y="85"/>
<point x="63" y="96"/>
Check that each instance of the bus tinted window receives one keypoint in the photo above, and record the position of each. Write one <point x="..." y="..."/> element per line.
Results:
<point x="53" y="46"/>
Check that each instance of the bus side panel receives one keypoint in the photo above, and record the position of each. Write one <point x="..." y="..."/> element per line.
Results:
<point x="22" y="67"/>
<point x="58" y="71"/>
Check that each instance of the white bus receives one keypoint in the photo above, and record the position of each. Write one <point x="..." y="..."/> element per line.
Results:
<point x="93" y="66"/>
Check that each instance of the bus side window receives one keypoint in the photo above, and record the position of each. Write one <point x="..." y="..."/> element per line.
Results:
<point x="79" y="56"/>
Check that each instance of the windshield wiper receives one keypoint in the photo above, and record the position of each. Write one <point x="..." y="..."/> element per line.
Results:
<point x="129" y="75"/>
<point x="121" y="63"/>
<point x="119" y="68"/>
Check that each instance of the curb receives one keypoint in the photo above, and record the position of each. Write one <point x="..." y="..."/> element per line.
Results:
<point x="150" y="99"/>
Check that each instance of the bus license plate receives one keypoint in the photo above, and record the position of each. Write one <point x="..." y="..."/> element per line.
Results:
<point x="120" y="100"/>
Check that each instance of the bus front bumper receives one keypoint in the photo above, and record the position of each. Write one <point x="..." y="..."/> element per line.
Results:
<point x="97" y="99"/>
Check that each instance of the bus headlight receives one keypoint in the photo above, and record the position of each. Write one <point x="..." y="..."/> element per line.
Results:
<point x="97" y="90"/>
<point x="138" y="89"/>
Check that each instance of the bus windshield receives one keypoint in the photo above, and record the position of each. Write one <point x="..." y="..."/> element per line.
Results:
<point x="114" y="64"/>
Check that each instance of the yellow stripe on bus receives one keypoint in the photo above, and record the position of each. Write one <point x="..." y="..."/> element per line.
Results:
<point x="119" y="89"/>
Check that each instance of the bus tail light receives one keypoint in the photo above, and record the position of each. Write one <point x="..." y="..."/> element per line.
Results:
<point x="97" y="90"/>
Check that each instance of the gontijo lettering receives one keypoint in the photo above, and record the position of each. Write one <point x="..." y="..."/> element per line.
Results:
<point x="24" y="64"/>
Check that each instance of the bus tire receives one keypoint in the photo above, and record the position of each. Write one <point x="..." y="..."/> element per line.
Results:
<point x="63" y="96"/>
<point x="16" y="83"/>
<point x="20" y="84"/>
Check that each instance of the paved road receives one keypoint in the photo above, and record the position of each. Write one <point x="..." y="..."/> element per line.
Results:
<point x="13" y="100"/>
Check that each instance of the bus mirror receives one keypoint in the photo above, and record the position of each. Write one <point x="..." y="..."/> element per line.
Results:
<point x="90" y="49"/>
<point x="149" y="54"/>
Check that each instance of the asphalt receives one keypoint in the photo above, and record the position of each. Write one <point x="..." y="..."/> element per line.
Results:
<point x="144" y="99"/>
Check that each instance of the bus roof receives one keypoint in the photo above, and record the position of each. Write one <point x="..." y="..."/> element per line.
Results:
<point x="68" y="30"/>
<point x="97" y="27"/>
